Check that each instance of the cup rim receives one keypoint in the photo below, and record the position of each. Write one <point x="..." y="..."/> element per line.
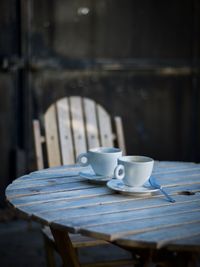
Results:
<point x="145" y="159"/>
<point x="114" y="150"/>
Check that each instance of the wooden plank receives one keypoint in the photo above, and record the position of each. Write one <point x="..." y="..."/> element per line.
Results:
<point x="43" y="183"/>
<point x="175" y="166"/>
<point x="78" y="125"/>
<point x="110" y="208"/>
<point x="101" y="209"/>
<point x="65" y="134"/>
<point x="105" y="130"/>
<point x="116" y="231"/>
<point x="160" y="201"/>
<point x="51" y="197"/>
<point x="25" y="186"/>
<point x="161" y="237"/>
<point x="64" y="168"/>
<point x="188" y="185"/>
<point x="73" y="203"/>
<point x="58" y="173"/>
<point x="169" y="180"/>
<point x="51" y="132"/>
<point x="38" y="144"/>
<point x="177" y="173"/>
<point x="130" y="215"/>
<point x="100" y="200"/>
<point x="55" y="168"/>
<point x="63" y="177"/>
<point x="120" y="134"/>
<point x="46" y="177"/>
<point x="189" y="243"/>
<point x="183" y="189"/>
<point x="91" y="126"/>
<point x="48" y="189"/>
<point x="178" y="179"/>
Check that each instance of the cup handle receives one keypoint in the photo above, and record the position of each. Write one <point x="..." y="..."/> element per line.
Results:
<point x="80" y="157"/>
<point x="118" y="169"/>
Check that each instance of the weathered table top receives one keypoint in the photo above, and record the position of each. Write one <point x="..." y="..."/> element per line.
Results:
<point x="60" y="198"/>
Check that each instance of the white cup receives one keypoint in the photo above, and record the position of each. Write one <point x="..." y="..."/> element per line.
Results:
<point x="134" y="170"/>
<point x="103" y="160"/>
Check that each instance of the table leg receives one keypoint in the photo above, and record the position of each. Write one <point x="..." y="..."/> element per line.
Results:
<point x="65" y="248"/>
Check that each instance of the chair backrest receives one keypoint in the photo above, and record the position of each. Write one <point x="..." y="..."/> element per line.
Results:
<point x="72" y="126"/>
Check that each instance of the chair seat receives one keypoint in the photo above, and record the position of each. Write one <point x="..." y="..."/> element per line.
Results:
<point x="77" y="239"/>
<point x="80" y="241"/>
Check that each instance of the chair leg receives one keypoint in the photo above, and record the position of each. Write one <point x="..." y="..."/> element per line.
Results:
<point x="49" y="253"/>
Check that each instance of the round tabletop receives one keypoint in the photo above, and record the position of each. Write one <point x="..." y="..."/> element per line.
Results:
<point x="63" y="199"/>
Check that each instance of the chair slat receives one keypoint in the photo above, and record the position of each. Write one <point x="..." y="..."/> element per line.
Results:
<point x="91" y="123"/>
<point x="64" y="126"/>
<point x="53" y="149"/>
<point x="105" y="129"/>
<point x="120" y="134"/>
<point x="38" y="145"/>
<point x="78" y="125"/>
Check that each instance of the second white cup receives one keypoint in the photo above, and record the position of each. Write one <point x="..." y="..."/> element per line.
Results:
<point x="134" y="170"/>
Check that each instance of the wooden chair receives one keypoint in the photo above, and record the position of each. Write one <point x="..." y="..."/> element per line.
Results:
<point x="72" y="125"/>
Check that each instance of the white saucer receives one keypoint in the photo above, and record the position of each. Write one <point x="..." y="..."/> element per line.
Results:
<point x="93" y="178"/>
<point x="119" y="186"/>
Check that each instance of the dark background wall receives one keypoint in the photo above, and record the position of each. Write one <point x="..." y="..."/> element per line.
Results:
<point x="140" y="59"/>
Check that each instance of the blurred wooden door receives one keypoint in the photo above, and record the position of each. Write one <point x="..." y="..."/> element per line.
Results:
<point x="139" y="59"/>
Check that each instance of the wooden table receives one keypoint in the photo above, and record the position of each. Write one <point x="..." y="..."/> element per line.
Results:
<point x="60" y="198"/>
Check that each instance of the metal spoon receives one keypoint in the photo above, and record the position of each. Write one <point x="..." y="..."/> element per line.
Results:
<point x="154" y="184"/>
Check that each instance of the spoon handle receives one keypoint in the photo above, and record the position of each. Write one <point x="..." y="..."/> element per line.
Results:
<point x="153" y="183"/>
<point x="167" y="196"/>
